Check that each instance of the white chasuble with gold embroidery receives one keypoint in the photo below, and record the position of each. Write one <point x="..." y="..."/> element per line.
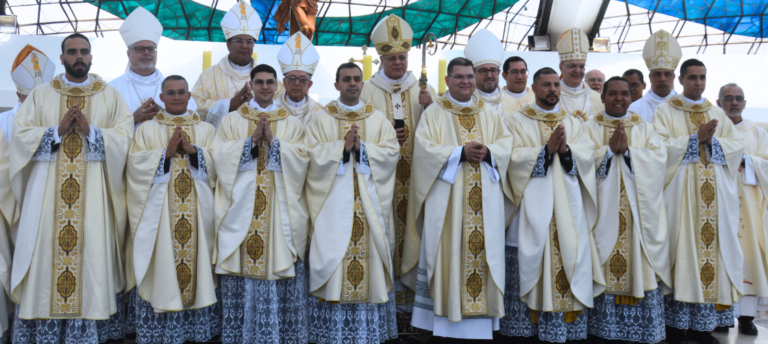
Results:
<point x="582" y="102"/>
<point x="9" y="210"/>
<point x="701" y="200"/>
<point x="304" y="112"/>
<point x="68" y="259"/>
<point x="503" y="102"/>
<point x="351" y="206"/>
<point x="171" y="216"/>
<point x="630" y="233"/>
<point x="556" y="210"/>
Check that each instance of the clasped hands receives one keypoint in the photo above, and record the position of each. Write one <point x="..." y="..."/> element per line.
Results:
<point x="352" y="139"/>
<point x="707" y="131"/>
<point x="556" y="141"/>
<point x="74" y="117"/>
<point x="262" y="131"/>
<point x="618" y="142"/>
<point x="179" y="140"/>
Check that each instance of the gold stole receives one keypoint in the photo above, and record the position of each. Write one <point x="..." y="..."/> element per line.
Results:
<point x="69" y="207"/>
<point x="182" y="206"/>
<point x="254" y="251"/>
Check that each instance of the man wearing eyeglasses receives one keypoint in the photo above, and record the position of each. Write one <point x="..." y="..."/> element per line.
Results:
<point x="753" y="181"/>
<point x="595" y="80"/>
<point x="576" y="97"/>
<point x="298" y="59"/>
<point x="486" y="52"/>
<point x="140" y="84"/>
<point x="661" y="53"/>
<point x="515" y="73"/>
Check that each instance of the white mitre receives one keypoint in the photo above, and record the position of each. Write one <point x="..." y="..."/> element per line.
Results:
<point x="572" y="45"/>
<point x="241" y="19"/>
<point x="392" y="35"/>
<point x="484" y="47"/>
<point x="662" y="51"/>
<point x="298" y="53"/>
<point x="31" y="68"/>
<point x="141" y="25"/>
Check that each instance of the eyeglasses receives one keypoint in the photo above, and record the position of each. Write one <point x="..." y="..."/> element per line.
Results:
<point x="522" y="72"/>
<point x="293" y="80"/>
<point x="731" y="99"/>
<point x="240" y="41"/>
<point x="141" y="50"/>
<point x="576" y="66"/>
<point x="596" y="80"/>
<point x="260" y="82"/>
<point x="485" y="71"/>
<point x="459" y="77"/>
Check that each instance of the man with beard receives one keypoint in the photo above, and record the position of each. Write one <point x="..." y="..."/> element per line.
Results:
<point x="576" y="97"/>
<point x="140" y="84"/>
<point x="661" y="53"/>
<point x="595" y="80"/>
<point x="30" y="69"/>
<point x="704" y="152"/>
<point x="516" y="75"/>
<point x="636" y="83"/>
<point x="70" y="144"/>
<point x="552" y="174"/>
<point x="486" y="53"/>
<point x="353" y="155"/>
<point x="753" y="196"/>
<point x="298" y="59"/>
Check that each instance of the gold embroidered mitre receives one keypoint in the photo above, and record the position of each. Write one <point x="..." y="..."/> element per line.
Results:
<point x="573" y="44"/>
<point x="392" y="35"/>
<point x="662" y="51"/>
<point x="31" y="68"/>
<point x="298" y="53"/>
<point x="241" y="19"/>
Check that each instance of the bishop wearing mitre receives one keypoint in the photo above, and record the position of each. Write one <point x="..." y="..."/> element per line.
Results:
<point x="576" y="98"/>
<point x="298" y="60"/>
<point x="487" y="54"/>
<point x="454" y="245"/>
<point x="261" y="219"/>
<point x="630" y="232"/>
<point x="68" y="153"/>
<point x="353" y="154"/>
<point x="31" y="68"/>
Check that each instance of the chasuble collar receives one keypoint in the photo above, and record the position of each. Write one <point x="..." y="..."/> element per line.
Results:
<point x="679" y="102"/>
<point x="393" y="86"/>
<point x="456" y="109"/>
<point x="539" y="115"/>
<point x="253" y="114"/>
<point x="336" y="111"/>
<point x="95" y="85"/>
<point x="517" y="95"/>
<point x="629" y="119"/>
<point x="188" y="119"/>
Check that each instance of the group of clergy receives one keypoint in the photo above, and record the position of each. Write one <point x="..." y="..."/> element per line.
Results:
<point x="242" y="208"/>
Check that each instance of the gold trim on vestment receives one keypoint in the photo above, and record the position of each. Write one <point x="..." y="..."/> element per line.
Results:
<point x="456" y="109"/>
<point x="250" y="113"/>
<point x="190" y="119"/>
<point x="337" y="112"/>
<point x="562" y="296"/>
<point x="541" y="116"/>
<point x="679" y="102"/>
<point x="95" y="85"/>
<point x="613" y="122"/>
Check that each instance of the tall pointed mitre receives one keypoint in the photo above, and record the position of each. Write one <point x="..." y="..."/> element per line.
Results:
<point x="484" y="47"/>
<point x="392" y="35"/>
<point x="572" y="45"/>
<point x="298" y="53"/>
<point x="141" y="25"/>
<point x="31" y="68"/>
<point x="241" y="19"/>
<point x="662" y="51"/>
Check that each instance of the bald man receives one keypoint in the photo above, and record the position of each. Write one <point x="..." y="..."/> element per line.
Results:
<point x="595" y="80"/>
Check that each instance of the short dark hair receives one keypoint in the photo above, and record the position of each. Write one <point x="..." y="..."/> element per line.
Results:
<point x="171" y="78"/>
<point x="459" y="61"/>
<point x="690" y="63"/>
<point x="74" y="35"/>
<point x="347" y="65"/>
<point x="634" y="72"/>
<point x="512" y="59"/>
<point x="263" y="68"/>
<point x="543" y="71"/>
<point x="615" y="78"/>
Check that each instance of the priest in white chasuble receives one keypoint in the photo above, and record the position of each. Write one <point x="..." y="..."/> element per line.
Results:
<point x="515" y="73"/>
<point x="353" y="155"/>
<point x="454" y="245"/>
<point x="395" y="92"/>
<point x="576" y="98"/>
<point x="9" y="216"/>
<point x="704" y="151"/>
<point x="298" y="59"/>
<point x="661" y="53"/>
<point x="753" y="199"/>
<point x="630" y="232"/>
<point x="552" y="174"/>
<point x="170" y="174"/>
<point x="68" y="153"/>
<point x="261" y="219"/>
<point x="487" y="54"/>
<point x="31" y="68"/>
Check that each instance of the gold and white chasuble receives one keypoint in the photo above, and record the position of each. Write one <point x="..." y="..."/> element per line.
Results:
<point x="171" y="215"/>
<point x="557" y="211"/>
<point x="399" y="101"/>
<point x="702" y="203"/>
<point x="68" y="259"/>
<point x="455" y="232"/>
<point x="753" y="199"/>
<point x="528" y="98"/>
<point x="630" y="233"/>
<point x="501" y="101"/>
<point x="9" y="210"/>
<point x="303" y="112"/>
<point x="581" y="102"/>
<point x="350" y="205"/>
<point x="261" y="212"/>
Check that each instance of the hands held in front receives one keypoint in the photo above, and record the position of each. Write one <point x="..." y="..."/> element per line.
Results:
<point x="618" y="143"/>
<point x="352" y="139"/>
<point x="707" y="131"/>
<point x="72" y="117"/>
<point x="475" y="151"/>
<point x="556" y="141"/>
<point x="178" y="140"/>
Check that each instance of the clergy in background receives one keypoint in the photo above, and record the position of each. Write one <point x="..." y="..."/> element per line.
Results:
<point x="261" y="219"/>
<point x="515" y="73"/>
<point x="636" y="83"/>
<point x="170" y="176"/>
<point x="395" y="92"/>
<point x="68" y="152"/>
<point x="661" y="53"/>
<point x="140" y="84"/>
<point x="353" y="155"/>
<point x="31" y="68"/>
<point x="576" y="97"/>
<point x="630" y="233"/>
<point x="753" y="195"/>
<point x="552" y="173"/>
<point x="704" y="151"/>
<point x="454" y="245"/>
<point x="595" y="80"/>
<point x="298" y="60"/>
<point x="487" y="54"/>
